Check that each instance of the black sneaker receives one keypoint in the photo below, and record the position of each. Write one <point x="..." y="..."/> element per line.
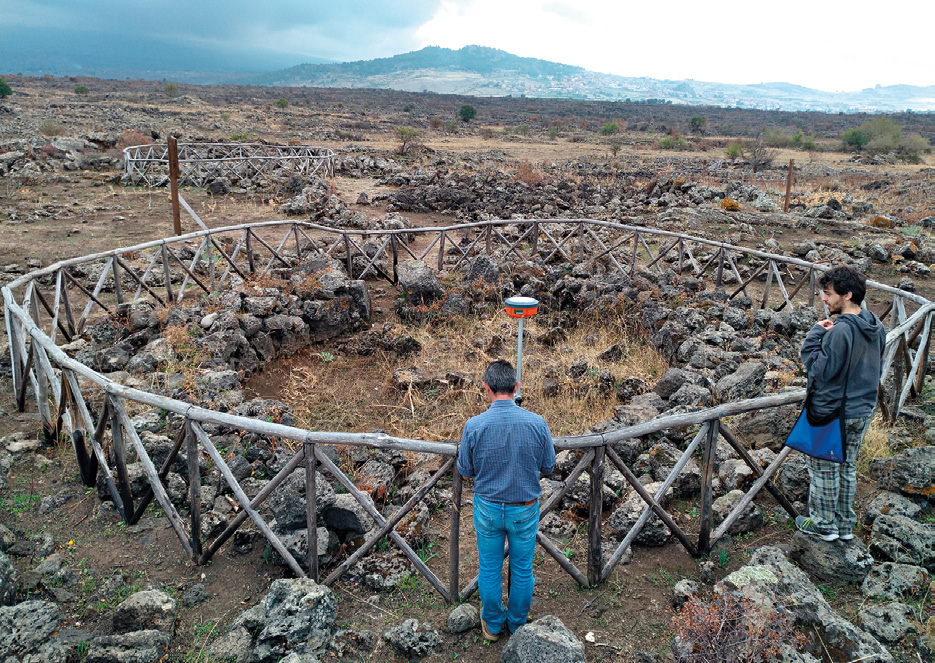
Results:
<point x="804" y="524"/>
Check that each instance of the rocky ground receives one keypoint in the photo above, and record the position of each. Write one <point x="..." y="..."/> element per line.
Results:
<point x="96" y="590"/>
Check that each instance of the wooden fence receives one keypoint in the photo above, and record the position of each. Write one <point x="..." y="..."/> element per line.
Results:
<point x="200" y="163"/>
<point x="55" y="301"/>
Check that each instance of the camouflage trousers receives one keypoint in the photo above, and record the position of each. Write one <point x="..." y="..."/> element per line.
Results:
<point x="833" y="486"/>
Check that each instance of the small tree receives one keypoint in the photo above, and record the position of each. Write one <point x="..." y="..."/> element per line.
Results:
<point x="282" y="103"/>
<point x="82" y="89"/>
<point x="409" y="138"/>
<point x="171" y="89"/>
<point x="610" y="128"/>
<point x="467" y="113"/>
<point x="614" y="148"/>
<point x="697" y="124"/>
<point x="734" y="150"/>
<point x="5" y="89"/>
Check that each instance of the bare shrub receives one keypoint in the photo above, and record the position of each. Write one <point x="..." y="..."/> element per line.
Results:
<point x="527" y="173"/>
<point x="50" y="127"/>
<point x="131" y="137"/>
<point x="760" y="154"/>
<point x="729" y="629"/>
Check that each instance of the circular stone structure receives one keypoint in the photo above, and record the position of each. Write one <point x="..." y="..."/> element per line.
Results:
<point x="52" y="304"/>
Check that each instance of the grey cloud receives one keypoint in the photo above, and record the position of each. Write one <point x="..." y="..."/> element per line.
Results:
<point x="346" y="29"/>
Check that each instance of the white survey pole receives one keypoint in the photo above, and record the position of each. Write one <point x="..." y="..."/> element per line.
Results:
<point x="522" y="308"/>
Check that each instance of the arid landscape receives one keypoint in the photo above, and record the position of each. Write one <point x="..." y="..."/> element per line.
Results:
<point x="600" y="355"/>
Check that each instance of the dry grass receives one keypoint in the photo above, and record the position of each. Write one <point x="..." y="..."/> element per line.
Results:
<point x="876" y="444"/>
<point x="437" y="410"/>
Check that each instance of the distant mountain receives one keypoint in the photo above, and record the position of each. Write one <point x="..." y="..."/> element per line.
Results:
<point x="482" y="71"/>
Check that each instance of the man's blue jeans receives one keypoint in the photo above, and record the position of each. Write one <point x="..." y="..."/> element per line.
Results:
<point x="494" y="523"/>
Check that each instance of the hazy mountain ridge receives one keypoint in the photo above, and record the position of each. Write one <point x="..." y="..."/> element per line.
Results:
<point x="482" y="71"/>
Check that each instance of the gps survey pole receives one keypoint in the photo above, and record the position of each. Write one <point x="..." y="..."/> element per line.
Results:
<point x="522" y="308"/>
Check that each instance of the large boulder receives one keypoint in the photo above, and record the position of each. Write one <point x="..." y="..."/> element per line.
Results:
<point x="746" y="382"/>
<point x="137" y="647"/>
<point x="769" y="577"/>
<point x="899" y="539"/>
<point x="413" y="639"/>
<point x="888" y="623"/>
<point x="546" y="639"/>
<point x="418" y="282"/>
<point x="347" y="517"/>
<point x="895" y="582"/>
<point x="835" y="561"/>
<point x="792" y="478"/>
<point x="654" y="532"/>
<point x="29" y="633"/>
<point x="288" y="500"/>
<point x="8" y="580"/>
<point x="296" y="617"/>
<point x="463" y="618"/>
<point x="911" y="472"/>
<point x="147" y="610"/>
<point x="891" y="504"/>
<point x="750" y="520"/>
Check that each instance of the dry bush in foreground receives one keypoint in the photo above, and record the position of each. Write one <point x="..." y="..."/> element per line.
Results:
<point x="728" y="629"/>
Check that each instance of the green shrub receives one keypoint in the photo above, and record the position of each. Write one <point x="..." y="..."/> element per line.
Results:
<point x="467" y="112"/>
<point x="553" y="133"/>
<point x="912" y="146"/>
<point x="82" y="89"/>
<point x="734" y="150"/>
<point x="407" y="108"/>
<point x="487" y="133"/>
<point x="5" y="89"/>
<point x="610" y="128"/>
<point x="524" y="129"/>
<point x="854" y="139"/>
<point x="776" y="137"/>
<point x="666" y="143"/>
<point x="171" y="89"/>
<point x="282" y="102"/>
<point x="697" y="124"/>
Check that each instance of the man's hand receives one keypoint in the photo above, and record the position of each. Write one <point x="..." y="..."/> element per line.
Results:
<point x="827" y="324"/>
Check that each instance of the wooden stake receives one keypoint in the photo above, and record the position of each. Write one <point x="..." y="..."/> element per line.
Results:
<point x="174" y="185"/>
<point x="785" y="206"/>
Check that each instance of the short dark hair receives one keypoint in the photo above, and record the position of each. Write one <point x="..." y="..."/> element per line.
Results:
<point x="500" y="377"/>
<point x="843" y="280"/>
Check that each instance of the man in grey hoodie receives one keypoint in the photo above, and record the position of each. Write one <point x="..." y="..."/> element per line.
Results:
<point x="857" y="339"/>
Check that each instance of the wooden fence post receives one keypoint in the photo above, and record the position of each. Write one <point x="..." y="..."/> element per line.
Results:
<point x="311" y="509"/>
<point x="174" y="184"/>
<point x="785" y="207"/>
<point x="595" y="508"/>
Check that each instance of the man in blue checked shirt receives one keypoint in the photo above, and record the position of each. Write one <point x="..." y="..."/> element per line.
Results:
<point x="505" y="449"/>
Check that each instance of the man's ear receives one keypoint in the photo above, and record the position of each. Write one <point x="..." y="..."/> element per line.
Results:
<point x="515" y="387"/>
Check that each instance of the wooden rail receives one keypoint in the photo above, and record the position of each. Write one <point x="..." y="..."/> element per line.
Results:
<point x="102" y="442"/>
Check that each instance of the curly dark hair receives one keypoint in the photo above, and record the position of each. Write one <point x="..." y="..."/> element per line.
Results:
<point x="843" y="280"/>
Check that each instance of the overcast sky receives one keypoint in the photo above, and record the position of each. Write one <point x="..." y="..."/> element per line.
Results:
<point x="826" y="44"/>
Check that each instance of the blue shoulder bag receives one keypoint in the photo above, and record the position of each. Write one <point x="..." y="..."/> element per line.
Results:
<point x="822" y="437"/>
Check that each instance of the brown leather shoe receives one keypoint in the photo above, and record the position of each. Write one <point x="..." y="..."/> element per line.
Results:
<point x="492" y="637"/>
